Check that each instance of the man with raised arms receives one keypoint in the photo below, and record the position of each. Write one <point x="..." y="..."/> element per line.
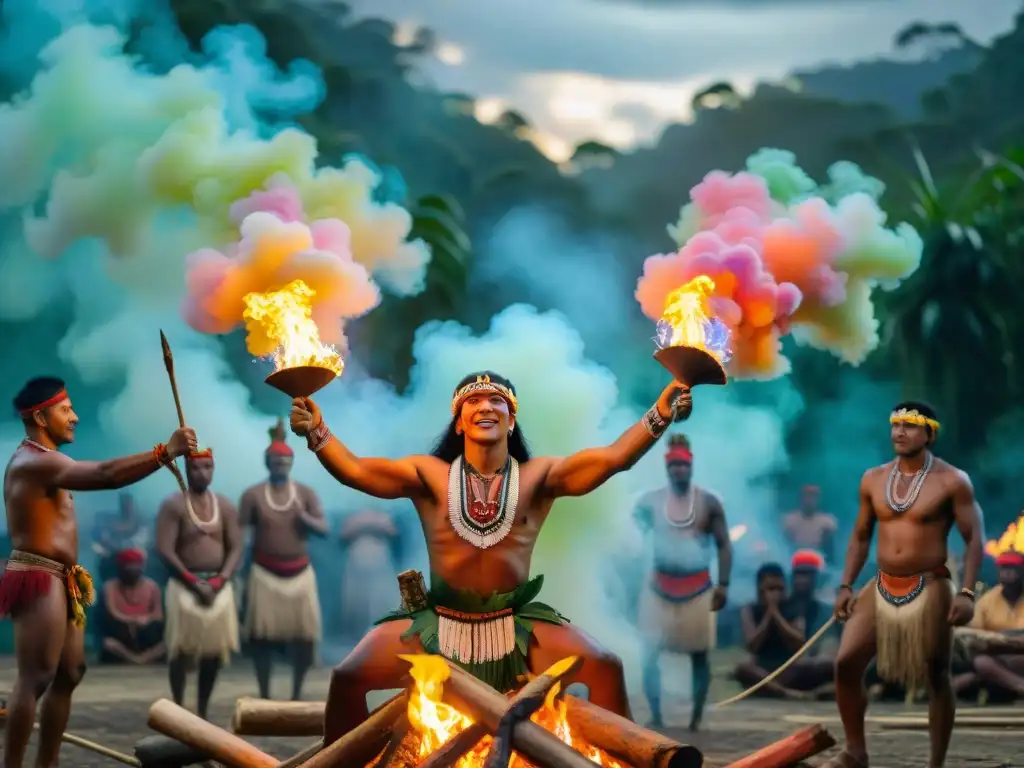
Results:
<point x="482" y="500"/>
<point x="49" y="623"/>
<point x="906" y="615"/>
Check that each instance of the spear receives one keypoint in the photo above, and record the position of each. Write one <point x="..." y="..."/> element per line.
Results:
<point x="169" y="365"/>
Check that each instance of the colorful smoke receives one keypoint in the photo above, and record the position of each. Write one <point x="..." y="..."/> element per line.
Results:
<point x="786" y="256"/>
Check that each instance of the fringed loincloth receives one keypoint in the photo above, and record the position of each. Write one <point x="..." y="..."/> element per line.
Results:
<point x="911" y="627"/>
<point x="675" y="612"/>
<point x="197" y="630"/>
<point x="489" y="637"/>
<point x="281" y="607"/>
<point x="28" y="577"/>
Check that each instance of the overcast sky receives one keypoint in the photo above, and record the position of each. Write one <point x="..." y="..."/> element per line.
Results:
<point x="619" y="70"/>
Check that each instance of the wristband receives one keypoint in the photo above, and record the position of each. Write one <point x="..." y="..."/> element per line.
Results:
<point x="216" y="582"/>
<point x="968" y="593"/>
<point x="845" y="586"/>
<point x="318" y="437"/>
<point x="189" y="578"/>
<point x="654" y="423"/>
<point x="161" y="455"/>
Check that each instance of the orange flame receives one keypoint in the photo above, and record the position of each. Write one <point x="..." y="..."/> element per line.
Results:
<point x="688" y="320"/>
<point x="1012" y="540"/>
<point x="281" y="326"/>
<point x="436" y="722"/>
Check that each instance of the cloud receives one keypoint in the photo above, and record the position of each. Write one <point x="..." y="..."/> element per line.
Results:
<point x="508" y="50"/>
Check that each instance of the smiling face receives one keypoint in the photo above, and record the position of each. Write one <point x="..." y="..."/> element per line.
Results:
<point x="58" y="421"/>
<point x="485" y="418"/>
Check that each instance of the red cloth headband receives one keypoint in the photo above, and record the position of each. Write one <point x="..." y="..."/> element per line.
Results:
<point x="1010" y="560"/>
<point x="679" y="453"/>
<point x="278" y="448"/>
<point x="807" y="559"/>
<point x="62" y="395"/>
<point x="206" y="454"/>
<point x="129" y="556"/>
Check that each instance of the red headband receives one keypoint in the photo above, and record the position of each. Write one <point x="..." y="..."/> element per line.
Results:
<point x="279" y="448"/>
<point x="62" y="395"/>
<point x="129" y="556"/>
<point x="807" y="559"/>
<point x="678" y="453"/>
<point x="1010" y="560"/>
<point x="205" y="454"/>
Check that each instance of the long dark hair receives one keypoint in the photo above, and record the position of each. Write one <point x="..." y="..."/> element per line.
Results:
<point x="450" y="445"/>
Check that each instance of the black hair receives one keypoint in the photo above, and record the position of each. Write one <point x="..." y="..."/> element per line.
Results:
<point x="768" y="570"/>
<point x="36" y="391"/>
<point x="921" y="407"/>
<point x="679" y="440"/>
<point x="450" y="445"/>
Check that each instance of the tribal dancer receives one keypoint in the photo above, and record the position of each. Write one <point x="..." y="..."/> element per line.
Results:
<point x="282" y="608"/>
<point x="907" y="613"/>
<point x="200" y="541"/>
<point x="482" y="501"/>
<point x="49" y="623"/>
<point x="678" y="606"/>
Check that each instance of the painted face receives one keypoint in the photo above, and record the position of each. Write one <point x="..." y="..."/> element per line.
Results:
<point x="279" y="467"/>
<point x="59" y="421"/>
<point x="200" y="473"/>
<point x="485" y="418"/>
<point x="909" y="439"/>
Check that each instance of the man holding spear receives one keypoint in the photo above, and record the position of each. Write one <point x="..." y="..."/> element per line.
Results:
<point x="49" y="623"/>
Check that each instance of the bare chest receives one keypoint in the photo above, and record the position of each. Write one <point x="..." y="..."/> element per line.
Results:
<point x="931" y="504"/>
<point x="201" y="522"/>
<point x="682" y="515"/>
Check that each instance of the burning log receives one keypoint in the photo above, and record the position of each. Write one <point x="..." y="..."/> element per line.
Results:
<point x="259" y="717"/>
<point x="168" y="718"/>
<point x="625" y="740"/>
<point x="486" y="706"/>
<point x="362" y="744"/>
<point x="536" y="690"/>
<point x="159" y="751"/>
<point x="791" y="750"/>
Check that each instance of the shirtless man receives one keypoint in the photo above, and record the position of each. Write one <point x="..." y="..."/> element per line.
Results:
<point x="482" y="500"/>
<point x="282" y="607"/>
<point x="200" y="541"/>
<point x="49" y="623"/>
<point x="907" y="613"/>
<point x="678" y="606"/>
<point x="810" y="528"/>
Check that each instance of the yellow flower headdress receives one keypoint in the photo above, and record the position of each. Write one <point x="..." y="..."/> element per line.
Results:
<point x="484" y="384"/>
<point x="913" y="416"/>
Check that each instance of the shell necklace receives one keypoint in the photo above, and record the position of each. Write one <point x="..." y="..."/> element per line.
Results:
<point x="205" y="525"/>
<point x="689" y="517"/>
<point x="293" y="496"/>
<point x="898" y="504"/>
<point x="483" y="522"/>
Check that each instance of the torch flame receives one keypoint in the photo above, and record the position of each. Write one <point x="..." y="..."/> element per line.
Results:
<point x="436" y="722"/>
<point x="1012" y="540"/>
<point x="285" y="318"/>
<point x="688" y="320"/>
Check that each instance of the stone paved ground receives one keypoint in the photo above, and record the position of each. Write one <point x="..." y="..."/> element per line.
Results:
<point x="111" y="707"/>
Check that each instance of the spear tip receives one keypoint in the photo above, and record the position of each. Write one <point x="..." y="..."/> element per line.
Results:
<point x="166" y="346"/>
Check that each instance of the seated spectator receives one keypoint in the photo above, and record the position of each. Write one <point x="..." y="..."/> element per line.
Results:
<point x="1001" y="609"/>
<point x="132" y="617"/>
<point x="773" y="629"/>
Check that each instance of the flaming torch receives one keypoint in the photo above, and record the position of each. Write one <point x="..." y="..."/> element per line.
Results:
<point x="1011" y="540"/>
<point x="693" y="344"/>
<point x="284" y="320"/>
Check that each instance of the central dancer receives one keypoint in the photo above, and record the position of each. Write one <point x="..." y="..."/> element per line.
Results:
<point x="482" y="500"/>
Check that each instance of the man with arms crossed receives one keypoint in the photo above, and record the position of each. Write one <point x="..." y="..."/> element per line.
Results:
<point x="482" y="500"/>
<point x="49" y="622"/>
<point x="907" y="614"/>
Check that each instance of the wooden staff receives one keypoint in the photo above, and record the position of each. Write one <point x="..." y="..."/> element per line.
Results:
<point x="449" y="753"/>
<point x="169" y="365"/>
<point x="168" y="718"/>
